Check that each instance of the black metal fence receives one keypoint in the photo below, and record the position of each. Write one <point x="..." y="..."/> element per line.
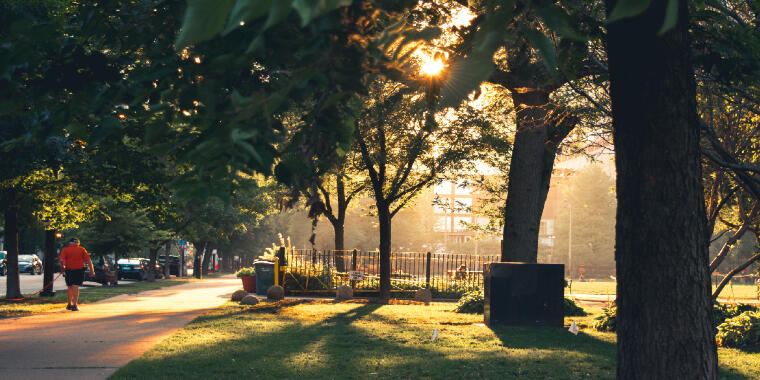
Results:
<point x="445" y="274"/>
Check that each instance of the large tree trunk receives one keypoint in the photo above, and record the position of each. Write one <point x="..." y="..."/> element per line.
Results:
<point x="167" y="265"/>
<point x="529" y="176"/>
<point x="49" y="263"/>
<point x="384" y="219"/>
<point x="664" y="315"/>
<point x="206" y="259"/>
<point x="153" y="260"/>
<point x="13" y="286"/>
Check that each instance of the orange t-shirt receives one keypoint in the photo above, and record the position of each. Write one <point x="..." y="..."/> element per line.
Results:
<point x="74" y="256"/>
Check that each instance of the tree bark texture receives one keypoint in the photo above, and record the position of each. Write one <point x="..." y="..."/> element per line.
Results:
<point x="529" y="176"/>
<point x="664" y="316"/>
<point x="384" y="219"/>
<point x="167" y="266"/>
<point x="13" y="286"/>
<point x="206" y="259"/>
<point x="49" y="263"/>
<point x="153" y="260"/>
<point x="338" y="223"/>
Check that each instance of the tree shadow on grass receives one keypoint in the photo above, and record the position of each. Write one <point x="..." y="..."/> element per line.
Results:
<point x="350" y="345"/>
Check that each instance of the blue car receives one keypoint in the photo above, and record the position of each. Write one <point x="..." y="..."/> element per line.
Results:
<point x="136" y="269"/>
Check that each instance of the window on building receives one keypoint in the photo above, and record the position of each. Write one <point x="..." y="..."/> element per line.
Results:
<point x="462" y="205"/>
<point x="463" y="188"/>
<point x="459" y="223"/>
<point x="442" y="205"/>
<point x="443" y="224"/>
<point x="443" y="188"/>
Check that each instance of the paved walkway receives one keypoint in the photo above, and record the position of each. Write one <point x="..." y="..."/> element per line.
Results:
<point x="103" y="336"/>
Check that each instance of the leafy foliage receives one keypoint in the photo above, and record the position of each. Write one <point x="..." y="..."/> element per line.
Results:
<point x="246" y="271"/>
<point x="471" y="302"/>
<point x="722" y="312"/>
<point x="608" y="320"/>
<point x="742" y="330"/>
<point x="572" y="309"/>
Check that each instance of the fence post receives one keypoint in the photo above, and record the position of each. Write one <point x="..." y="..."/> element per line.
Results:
<point x="427" y="271"/>
<point x="353" y="268"/>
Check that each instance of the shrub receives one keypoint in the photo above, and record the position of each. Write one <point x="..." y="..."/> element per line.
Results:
<point x="571" y="309"/>
<point x="728" y="311"/>
<point x="608" y="320"/>
<point x="471" y="302"/>
<point x="742" y="330"/>
<point x="247" y="271"/>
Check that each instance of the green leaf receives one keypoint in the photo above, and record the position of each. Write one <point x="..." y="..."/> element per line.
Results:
<point x="311" y="9"/>
<point x="545" y="49"/>
<point x="204" y="19"/>
<point x="246" y="11"/>
<point x="278" y="13"/>
<point x="556" y="18"/>
<point x="627" y="8"/>
<point x="671" y="17"/>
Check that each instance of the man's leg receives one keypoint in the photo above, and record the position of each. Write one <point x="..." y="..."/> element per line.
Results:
<point x="76" y="295"/>
<point x="70" y="293"/>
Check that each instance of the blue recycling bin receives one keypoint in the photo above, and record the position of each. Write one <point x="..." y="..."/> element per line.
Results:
<point x="264" y="276"/>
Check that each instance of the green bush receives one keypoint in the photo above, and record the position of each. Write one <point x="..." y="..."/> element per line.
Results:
<point x="571" y="309"/>
<point x="728" y="311"/>
<point x="247" y="271"/>
<point x="608" y="320"/>
<point x="471" y="302"/>
<point x="742" y="330"/>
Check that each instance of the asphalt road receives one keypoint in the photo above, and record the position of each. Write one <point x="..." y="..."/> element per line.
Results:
<point x="31" y="284"/>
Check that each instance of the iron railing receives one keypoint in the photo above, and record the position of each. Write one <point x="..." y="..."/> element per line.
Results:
<point x="445" y="274"/>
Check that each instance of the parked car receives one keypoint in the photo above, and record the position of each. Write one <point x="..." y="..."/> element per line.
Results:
<point x="103" y="273"/>
<point x="3" y="269"/>
<point x="29" y="264"/>
<point x="131" y="268"/>
<point x="173" y="264"/>
<point x="158" y="270"/>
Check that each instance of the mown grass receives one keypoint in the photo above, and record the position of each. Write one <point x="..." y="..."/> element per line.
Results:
<point x="737" y="291"/>
<point x="327" y="340"/>
<point x="36" y="304"/>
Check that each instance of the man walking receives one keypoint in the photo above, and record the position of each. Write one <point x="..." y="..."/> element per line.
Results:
<point x="73" y="257"/>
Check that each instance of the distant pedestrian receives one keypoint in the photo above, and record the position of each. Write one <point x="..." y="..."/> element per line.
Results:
<point x="73" y="258"/>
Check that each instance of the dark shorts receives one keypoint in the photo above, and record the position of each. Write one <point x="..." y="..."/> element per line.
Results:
<point x="74" y="277"/>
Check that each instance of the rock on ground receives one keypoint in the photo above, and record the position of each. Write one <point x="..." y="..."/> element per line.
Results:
<point x="344" y="293"/>
<point x="275" y="293"/>
<point x="238" y="295"/>
<point x="249" y="300"/>
<point x="423" y="295"/>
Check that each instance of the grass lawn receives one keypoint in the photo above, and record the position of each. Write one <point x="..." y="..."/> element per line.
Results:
<point x="738" y="291"/>
<point x="36" y="304"/>
<point x="325" y="340"/>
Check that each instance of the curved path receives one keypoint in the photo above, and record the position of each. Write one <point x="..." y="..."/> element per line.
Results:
<point x="94" y="342"/>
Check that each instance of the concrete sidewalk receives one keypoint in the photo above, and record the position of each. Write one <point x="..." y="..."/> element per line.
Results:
<point x="100" y="338"/>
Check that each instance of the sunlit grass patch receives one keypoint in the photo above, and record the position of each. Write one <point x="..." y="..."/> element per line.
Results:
<point x="325" y="339"/>
<point x="35" y="304"/>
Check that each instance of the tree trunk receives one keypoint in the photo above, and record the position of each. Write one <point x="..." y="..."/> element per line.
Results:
<point x="205" y="260"/>
<point x="339" y="224"/>
<point x="339" y="230"/>
<point x="529" y="176"/>
<point x="153" y="260"/>
<point x="200" y="249"/>
<point x="664" y="315"/>
<point x="167" y="265"/>
<point x="49" y="263"/>
<point x="13" y="286"/>
<point x="384" y="219"/>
